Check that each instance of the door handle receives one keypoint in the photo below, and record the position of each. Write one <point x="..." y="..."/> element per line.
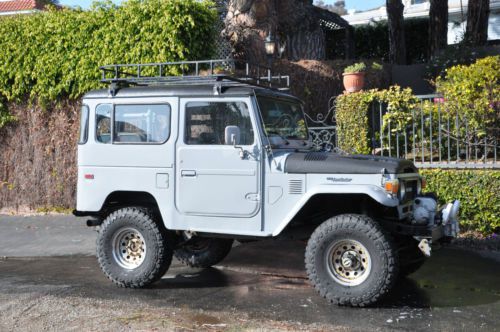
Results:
<point x="188" y="173"/>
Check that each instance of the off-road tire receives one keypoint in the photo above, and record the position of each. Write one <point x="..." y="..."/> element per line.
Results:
<point x="212" y="253"/>
<point x="158" y="243"/>
<point x="384" y="264"/>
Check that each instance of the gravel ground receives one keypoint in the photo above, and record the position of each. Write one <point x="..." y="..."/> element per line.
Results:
<point x="50" y="281"/>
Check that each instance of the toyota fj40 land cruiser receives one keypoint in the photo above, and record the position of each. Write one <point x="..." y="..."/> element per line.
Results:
<point x="184" y="165"/>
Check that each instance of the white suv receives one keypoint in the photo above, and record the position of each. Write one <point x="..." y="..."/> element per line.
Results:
<point x="184" y="165"/>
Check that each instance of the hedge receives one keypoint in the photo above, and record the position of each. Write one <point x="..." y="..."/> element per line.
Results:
<point x="351" y="114"/>
<point x="56" y="54"/>
<point x="478" y="192"/>
<point x="372" y="41"/>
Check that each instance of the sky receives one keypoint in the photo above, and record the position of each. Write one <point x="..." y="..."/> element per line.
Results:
<point x="361" y="4"/>
<point x="350" y="4"/>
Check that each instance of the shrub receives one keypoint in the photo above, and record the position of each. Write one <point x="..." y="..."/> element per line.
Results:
<point x="477" y="191"/>
<point x="351" y="114"/>
<point x="353" y="128"/>
<point x="453" y="55"/>
<point x="473" y="92"/>
<point x="355" y="68"/>
<point x="56" y="54"/>
<point x="371" y="41"/>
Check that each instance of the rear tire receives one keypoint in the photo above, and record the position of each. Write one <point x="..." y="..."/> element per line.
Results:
<point x="350" y="261"/>
<point x="203" y="252"/>
<point x="132" y="249"/>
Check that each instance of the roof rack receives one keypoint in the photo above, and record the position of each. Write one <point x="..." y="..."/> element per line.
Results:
<point x="220" y="72"/>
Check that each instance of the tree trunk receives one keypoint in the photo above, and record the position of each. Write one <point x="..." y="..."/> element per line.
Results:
<point x="397" y="47"/>
<point x="476" y="32"/>
<point x="290" y="22"/>
<point x="438" y="26"/>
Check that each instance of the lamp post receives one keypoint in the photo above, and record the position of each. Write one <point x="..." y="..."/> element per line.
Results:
<point x="270" y="47"/>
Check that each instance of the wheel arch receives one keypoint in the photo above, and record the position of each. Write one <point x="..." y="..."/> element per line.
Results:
<point x="121" y="198"/>
<point x="321" y="205"/>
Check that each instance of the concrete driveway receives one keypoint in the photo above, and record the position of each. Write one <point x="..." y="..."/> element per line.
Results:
<point x="49" y="280"/>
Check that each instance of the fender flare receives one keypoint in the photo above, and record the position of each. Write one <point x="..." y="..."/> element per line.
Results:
<point x="375" y="192"/>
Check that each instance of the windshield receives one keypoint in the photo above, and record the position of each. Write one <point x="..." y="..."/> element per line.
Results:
<point x="283" y="118"/>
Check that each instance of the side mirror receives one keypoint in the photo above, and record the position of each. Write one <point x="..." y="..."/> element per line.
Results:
<point x="232" y="135"/>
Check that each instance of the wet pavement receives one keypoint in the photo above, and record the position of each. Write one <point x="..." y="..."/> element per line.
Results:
<point x="261" y="282"/>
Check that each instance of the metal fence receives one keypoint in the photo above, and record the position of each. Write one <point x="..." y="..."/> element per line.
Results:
<point x="435" y="136"/>
<point x="322" y="128"/>
<point x="432" y="137"/>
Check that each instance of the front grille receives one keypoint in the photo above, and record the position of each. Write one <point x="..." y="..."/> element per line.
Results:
<point x="411" y="190"/>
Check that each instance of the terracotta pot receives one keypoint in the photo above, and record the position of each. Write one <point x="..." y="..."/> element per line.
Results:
<point x="354" y="82"/>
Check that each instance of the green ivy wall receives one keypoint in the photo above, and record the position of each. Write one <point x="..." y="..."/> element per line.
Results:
<point x="54" y="55"/>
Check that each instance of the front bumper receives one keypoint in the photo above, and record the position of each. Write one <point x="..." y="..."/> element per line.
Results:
<point x="430" y="225"/>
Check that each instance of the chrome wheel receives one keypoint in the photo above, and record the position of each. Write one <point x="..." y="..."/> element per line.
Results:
<point x="129" y="248"/>
<point x="349" y="262"/>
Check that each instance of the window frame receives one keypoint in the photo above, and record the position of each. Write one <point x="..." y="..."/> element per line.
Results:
<point x="87" y="126"/>
<point x="142" y="143"/>
<point x="286" y="100"/>
<point x="112" y="123"/>
<point x="245" y="102"/>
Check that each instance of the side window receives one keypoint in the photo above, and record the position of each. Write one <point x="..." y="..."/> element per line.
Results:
<point x="141" y="123"/>
<point x="103" y="123"/>
<point x="206" y="122"/>
<point x="84" y="125"/>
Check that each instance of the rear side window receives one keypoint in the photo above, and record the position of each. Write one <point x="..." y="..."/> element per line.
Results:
<point x="103" y="123"/>
<point x="141" y="124"/>
<point x="84" y="125"/>
<point x="206" y="122"/>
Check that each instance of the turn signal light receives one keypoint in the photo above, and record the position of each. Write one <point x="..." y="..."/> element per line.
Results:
<point x="392" y="186"/>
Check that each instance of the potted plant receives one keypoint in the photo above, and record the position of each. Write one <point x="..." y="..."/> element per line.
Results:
<point x="354" y="77"/>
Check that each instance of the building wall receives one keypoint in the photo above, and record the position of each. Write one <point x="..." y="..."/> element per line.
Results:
<point x="420" y="9"/>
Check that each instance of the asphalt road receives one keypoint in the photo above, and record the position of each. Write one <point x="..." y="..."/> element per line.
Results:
<point x="49" y="280"/>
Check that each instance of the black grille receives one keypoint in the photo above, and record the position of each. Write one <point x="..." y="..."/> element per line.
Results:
<point x="315" y="156"/>
<point x="411" y="187"/>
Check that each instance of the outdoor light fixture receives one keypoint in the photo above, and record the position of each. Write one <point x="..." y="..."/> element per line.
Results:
<point x="270" y="45"/>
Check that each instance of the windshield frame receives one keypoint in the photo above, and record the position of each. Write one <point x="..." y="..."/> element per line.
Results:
<point x="278" y="140"/>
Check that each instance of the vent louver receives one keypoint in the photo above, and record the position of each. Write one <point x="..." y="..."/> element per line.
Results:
<point x="315" y="156"/>
<point x="295" y="187"/>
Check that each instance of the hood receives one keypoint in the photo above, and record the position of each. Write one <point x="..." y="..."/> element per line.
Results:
<point x="333" y="163"/>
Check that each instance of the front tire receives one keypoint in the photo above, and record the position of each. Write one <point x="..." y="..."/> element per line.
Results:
<point x="350" y="261"/>
<point x="203" y="252"/>
<point x="132" y="249"/>
<point x="411" y="258"/>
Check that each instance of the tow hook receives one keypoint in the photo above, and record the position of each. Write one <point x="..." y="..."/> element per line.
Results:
<point x="425" y="247"/>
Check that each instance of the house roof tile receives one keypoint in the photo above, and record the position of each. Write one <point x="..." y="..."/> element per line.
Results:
<point x="19" y="5"/>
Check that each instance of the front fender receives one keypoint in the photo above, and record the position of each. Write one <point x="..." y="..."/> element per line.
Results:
<point x="375" y="192"/>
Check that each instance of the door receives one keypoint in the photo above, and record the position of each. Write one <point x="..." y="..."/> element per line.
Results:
<point x="213" y="177"/>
